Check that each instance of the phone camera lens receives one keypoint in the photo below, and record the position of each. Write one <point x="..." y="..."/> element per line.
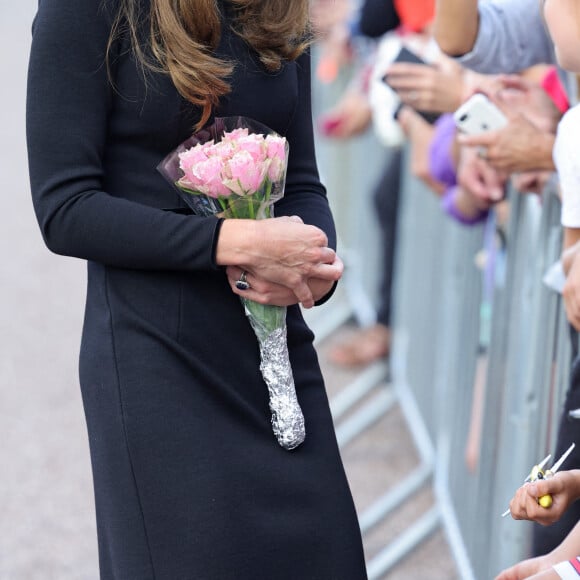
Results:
<point x="463" y="117"/>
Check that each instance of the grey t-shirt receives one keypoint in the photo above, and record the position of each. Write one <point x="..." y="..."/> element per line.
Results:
<point x="511" y="37"/>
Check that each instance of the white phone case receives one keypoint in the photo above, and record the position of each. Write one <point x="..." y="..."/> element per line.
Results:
<point x="478" y="115"/>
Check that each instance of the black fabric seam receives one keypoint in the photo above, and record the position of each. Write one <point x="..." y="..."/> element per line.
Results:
<point x="179" y="310"/>
<point x="113" y="345"/>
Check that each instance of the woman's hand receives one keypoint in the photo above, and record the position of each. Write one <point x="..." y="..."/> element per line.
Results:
<point x="477" y="177"/>
<point x="564" y="488"/>
<point x="281" y="251"/>
<point x="519" y="146"/>
<point x="265" y="292"/>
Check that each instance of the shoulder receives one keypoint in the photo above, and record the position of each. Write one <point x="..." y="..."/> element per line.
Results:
<point x="81" y="12"/>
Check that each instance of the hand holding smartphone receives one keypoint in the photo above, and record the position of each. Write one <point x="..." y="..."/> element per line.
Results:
<point x="406" y="55"/>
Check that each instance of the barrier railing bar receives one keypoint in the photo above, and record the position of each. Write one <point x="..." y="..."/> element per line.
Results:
<point x="362" y="306"/>
<point x="374" y="514"/>
<point x="449" y="519"/>
<point x="370" y="378"/>
<point x="326" y="322"/>
<point x="362" y="419"/>
<point x="414" y="421"/>
<point x="453" y="532"/>
<point x="406" y="542"/>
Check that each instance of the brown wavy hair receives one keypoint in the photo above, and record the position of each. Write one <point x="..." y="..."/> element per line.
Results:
<point x="183" y="35"/>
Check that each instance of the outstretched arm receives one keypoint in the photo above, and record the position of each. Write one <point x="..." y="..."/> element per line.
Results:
<point x="493" y="36"/>
<point x="453" y="39"/>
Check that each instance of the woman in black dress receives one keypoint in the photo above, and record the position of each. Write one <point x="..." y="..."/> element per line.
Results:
<point x="190" y="483"/>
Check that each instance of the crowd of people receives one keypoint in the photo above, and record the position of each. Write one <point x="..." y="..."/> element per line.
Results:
<point x="420" y="61"/>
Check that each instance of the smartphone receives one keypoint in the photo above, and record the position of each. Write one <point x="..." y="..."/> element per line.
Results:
<point x="406" y="55"/>
<point x="477" y="115"/>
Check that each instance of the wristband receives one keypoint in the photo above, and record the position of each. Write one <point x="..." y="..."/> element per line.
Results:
<point x="449" y="207"/>
<point x="569" y="570"/>
<point x="554" y="89"/>
<point x="441" y="165"/>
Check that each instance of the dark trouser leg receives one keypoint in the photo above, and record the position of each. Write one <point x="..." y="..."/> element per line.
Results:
<point x="386" y="199"/>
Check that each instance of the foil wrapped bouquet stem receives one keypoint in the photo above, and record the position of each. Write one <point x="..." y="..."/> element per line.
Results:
<point x="236" y="168"/>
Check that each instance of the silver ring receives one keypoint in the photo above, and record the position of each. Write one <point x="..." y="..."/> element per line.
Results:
<point x="242" y="283"/>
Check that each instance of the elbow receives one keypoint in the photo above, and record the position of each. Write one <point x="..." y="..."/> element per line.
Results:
<point x="61" y="222"/>
<point x="451" y="42"/>
<point x="54" y="242"/>
<point x="56" y="236"/>
<point x="453" y="47"/>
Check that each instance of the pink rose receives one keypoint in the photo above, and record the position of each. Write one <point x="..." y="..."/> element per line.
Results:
<point x="243" y="175"/>
<point x="235" y="134"/>
<point x="255" y="145"/>
<point x="189" y="159"/>
<point x="276" y="147"/>
<point x="276" y="169"/>
<point x="224" y="149"/>
<point x="276" y="152"/>
<point x="209" y="176"/>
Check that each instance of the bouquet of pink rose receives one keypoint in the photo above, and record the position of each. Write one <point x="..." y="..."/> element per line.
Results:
<point x="236" y="168"/>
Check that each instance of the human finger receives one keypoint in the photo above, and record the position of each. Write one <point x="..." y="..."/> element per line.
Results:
<point x="291" y="218"/>
<point x="405" y="83"/>
<point x="504" y="106"/>
<point x="266" y="292"/>
<point x="304" y="295"/>
<point x="470" y="179"/>
<point x="233" y="273"/>
<point x="409" y="69"/>
<point x="518" y="504"/>
<point x="492" y="182"/>
<point x="553" y="485"/>
<point x="547" y="515"/>
<point x="513" y="82"/>
<point x="481" y="140"/>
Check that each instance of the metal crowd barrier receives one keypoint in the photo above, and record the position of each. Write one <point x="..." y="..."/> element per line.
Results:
<point x="454" y="320"/>
<point x="525" y="364"/>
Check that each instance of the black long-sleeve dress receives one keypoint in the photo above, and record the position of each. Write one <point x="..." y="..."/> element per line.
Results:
<point x="190" y="483"/>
